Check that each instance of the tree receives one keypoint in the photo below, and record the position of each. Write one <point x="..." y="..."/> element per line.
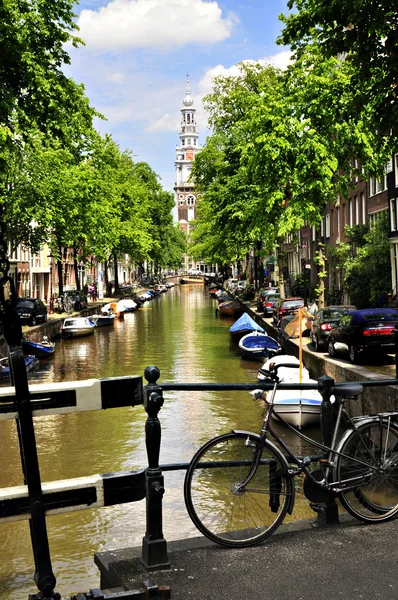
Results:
<point x="363" y="34"/>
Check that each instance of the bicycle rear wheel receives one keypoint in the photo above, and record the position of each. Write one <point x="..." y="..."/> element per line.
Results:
<point x="376" y="498"/>
<point x="224" y="510"/>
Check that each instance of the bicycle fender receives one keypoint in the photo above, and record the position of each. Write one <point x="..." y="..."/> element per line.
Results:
<point x="282" y="459"/>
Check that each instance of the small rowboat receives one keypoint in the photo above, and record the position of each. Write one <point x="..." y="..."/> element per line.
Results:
<point x="245" y="324"/>
<point x="31" y="362"/>
<point x="258" y="346"/>
<point x="43" y="349"/>
<point x="299" y="408"/>
<point x="229" y="308"/>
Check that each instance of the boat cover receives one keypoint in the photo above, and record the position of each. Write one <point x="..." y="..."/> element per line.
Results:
<point x="256" y="342"/>
<point x="245" y="323"/>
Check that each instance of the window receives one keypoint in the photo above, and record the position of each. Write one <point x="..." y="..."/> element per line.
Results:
<point x="191" y="200"/>
<point x="338" y="223"/>
<point x="363" y="205"/>
<point x="194" y="142"/>
<point x="189" y="141"/>
<point x="396" y="169"/>
<point x="373" y="217"/>
<point x="350" y="222"/>
<point x="356" y="165"/>
<point x="183" y="142"/>
<point x="379" y="186"/>
<point x="356" y="200"/>
<point x="372" y="186"/>
<point x="327" y="226"/>
<point x="393" y="214"/>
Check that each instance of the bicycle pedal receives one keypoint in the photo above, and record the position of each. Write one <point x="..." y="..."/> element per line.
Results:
<point x="316" y="508"/>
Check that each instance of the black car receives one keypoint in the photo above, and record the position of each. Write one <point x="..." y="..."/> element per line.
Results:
<point x="325" y="320"/>
<point x="368" y="329"/>
<point x="79" y="299"/>
<point x="270" y="301"/>
<point x="31" y="311"/>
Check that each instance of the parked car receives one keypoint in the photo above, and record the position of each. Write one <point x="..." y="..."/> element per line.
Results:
<point x="78" y="297"/>
<point x="367" y="329"/>
<point x="287" y="306"/>
<point x="325" y="320"/>
<point x="270" y="301"/>
<point x="264" y="292"/>
<point x="31" y="311"/>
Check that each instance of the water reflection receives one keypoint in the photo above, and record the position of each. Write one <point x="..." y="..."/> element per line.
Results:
<point x="180" y="333"/>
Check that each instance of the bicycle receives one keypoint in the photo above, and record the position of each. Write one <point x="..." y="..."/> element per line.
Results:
<point x="239" y="486"/>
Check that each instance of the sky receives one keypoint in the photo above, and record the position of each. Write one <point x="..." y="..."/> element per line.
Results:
<point x="137" y="54"/>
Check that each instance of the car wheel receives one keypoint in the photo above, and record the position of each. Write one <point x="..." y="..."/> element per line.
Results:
<point x="34" y="321"/>
<point x="353" y="354"/>
<point x="331" y="350"/>
<point x="45" y="319"/>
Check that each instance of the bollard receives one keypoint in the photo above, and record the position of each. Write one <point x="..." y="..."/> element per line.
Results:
<point x="154" y="546"/>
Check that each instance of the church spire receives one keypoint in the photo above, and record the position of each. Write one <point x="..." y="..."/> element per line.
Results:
<point x="188" y="100"/>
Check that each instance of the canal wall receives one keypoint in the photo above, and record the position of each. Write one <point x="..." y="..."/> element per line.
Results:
<point x="372" y="400"/>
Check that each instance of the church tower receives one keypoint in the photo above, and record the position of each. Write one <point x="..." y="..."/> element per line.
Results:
<point x="186" y="151"/>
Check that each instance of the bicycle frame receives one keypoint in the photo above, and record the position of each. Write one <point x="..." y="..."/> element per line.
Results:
<point x="329" y="455"/>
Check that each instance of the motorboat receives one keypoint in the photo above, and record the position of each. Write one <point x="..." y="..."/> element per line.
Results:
<point x="244" y="325"/>
<point x="103" y="320"/>
<point x="43" y="349"/>
<point x="31" y="362"/>
<point x="299" y="408"/>
<point x="77" y="327"/>
<point x="258" y="346"/>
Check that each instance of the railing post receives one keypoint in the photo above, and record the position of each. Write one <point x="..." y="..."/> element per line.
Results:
<point x="44" y="576"/>
<point x="154" y="546"/>
<point x="328" y="512"/>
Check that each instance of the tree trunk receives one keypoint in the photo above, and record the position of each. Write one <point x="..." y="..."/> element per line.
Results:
<point x="76" y="269"/>
<point x="116" y="273"/>
<point x="60" y="281"/>
<point x="108" y="287"/>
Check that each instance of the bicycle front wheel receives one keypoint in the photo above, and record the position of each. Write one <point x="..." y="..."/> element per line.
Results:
<point x="224" y="507"/>
<point x="375" y="445"/>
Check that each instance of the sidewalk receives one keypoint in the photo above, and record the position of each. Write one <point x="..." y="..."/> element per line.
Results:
<point x="299" y="562"/>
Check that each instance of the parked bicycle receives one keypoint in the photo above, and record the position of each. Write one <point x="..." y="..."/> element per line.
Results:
<point x="240" y="486"/>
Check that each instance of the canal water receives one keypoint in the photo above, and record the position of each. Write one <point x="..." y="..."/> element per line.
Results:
<point x="178" y="332"/>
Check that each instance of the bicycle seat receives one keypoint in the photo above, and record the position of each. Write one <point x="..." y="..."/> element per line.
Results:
<point x="347" y="390"/>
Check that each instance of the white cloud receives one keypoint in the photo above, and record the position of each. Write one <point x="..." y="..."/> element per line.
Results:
<point x="116" y="77"/>
<point x="281" y="60"/>
<point x="160" y="24"/>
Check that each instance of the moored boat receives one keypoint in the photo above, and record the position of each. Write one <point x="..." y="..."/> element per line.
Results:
<point x="31" y="362"/>
<point x="245" y="324"/>
<point x="43" y="349"/>
<point x="229" y="308"/>
<point x="77" y="327"/>
<point x="299" y="408"/>
<point x="184" y="280"/>
<point x="258" y="346"/>
<point x="103" y="320"/>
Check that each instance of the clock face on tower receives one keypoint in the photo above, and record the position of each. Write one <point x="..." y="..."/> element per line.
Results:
<point x="189" y="155"/>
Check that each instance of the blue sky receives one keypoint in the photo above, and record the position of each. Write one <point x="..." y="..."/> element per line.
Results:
<point x="138" y="52"/>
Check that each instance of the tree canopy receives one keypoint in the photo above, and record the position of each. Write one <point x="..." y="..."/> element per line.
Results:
<point x="362" y="33"/>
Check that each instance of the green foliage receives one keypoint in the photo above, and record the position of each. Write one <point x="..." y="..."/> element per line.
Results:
<point x="363" y="35"/>
<point x="368" y="275"/>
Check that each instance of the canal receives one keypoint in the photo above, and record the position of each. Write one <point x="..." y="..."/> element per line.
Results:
<point x="179" y="333"/>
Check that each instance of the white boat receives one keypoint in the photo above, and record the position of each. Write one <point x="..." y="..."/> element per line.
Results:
<point x="297" y="407"/>
<point x="77" y="327"/>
